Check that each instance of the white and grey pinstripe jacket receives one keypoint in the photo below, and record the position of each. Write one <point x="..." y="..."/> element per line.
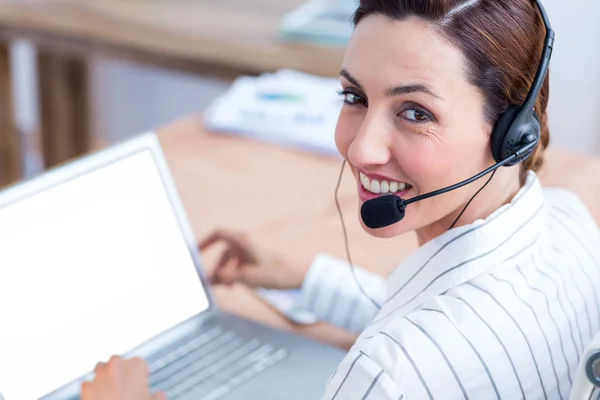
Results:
<point x="499" y="309"/>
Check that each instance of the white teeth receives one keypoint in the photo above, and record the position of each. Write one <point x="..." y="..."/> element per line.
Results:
<point x="365" y="181"/>
<point x="385" y="187"/>
<point x="375" y="186"/>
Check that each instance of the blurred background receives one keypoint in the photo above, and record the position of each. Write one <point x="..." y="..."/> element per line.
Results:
<point x="116" y="68"/>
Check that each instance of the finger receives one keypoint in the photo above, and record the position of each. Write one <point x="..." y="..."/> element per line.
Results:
<point x="226" y="256"/>
<point x="114" y="359"/>
<point x="222" y="266"/>
<point x="228" y="273"/>
<point x="114" y="365"/>
<point x="209" y="240"/>
<point x="232" y="238"/>
<point x="159" y="396"/>
<point x="214" y="237"/>
<point x="140" y="365"/>
<point x="100" y="366"/>
<point x="86" y="391"/>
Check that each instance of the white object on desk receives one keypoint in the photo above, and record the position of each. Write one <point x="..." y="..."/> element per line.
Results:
<point x="320" y="22"/>
<point x="287" y="107"/>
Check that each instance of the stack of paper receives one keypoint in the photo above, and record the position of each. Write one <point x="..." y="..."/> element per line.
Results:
<point x="287" y="107"/>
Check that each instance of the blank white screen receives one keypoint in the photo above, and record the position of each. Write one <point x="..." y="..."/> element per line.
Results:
<point x="89" y="268"/>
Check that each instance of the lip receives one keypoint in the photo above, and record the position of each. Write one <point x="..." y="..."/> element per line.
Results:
<point x="377" y="176"/>
<point x="365" y="195"/>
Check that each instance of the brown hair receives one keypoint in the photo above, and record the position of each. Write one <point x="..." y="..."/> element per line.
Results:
<point x="501" y="40"/>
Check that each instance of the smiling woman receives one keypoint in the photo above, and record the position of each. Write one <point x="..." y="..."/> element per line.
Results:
<point x="433" y="92"/>
<point x="502" y="304"/>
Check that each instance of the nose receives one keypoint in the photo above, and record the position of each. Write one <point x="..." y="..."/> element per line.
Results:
<point x="371" y="146"/>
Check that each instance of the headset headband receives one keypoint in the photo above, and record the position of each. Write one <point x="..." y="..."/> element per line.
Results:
<point x="526" y="112"/>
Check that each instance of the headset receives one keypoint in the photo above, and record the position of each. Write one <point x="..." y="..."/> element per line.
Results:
<point x="514" y="138"/>
<point x="518" y="126"/>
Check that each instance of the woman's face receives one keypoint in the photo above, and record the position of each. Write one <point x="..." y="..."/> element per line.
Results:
<point x="411" y="123"/>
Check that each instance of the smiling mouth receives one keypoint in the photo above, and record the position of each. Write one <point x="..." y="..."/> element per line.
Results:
<point x="377" y="186"/>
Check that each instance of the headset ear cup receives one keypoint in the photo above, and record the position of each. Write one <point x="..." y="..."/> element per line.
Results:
<point x="500" y="131"/>
<point x="536" y="129"/>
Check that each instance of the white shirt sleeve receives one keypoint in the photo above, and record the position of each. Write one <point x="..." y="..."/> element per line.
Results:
<point x="330" y="292"/>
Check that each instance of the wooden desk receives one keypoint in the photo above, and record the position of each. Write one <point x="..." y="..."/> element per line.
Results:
<point x="222" y="38"/>
<point x="223" y="182"/>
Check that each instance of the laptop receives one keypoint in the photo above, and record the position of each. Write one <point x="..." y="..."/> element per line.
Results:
<point x="97" y="258"/>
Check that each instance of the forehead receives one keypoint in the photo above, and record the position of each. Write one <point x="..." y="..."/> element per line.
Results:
<point x="384" y="52"/>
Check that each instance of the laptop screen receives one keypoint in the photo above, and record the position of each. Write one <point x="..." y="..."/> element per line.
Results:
<point x="89" y="268"/>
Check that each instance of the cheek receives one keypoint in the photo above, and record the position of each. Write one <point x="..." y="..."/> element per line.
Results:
<point x="345" y="132"/>
<point x="424" y="160"/>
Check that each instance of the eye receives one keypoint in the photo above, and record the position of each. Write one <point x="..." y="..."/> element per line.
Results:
<point x="352" y="98"/>
<point x="415" y="115"/>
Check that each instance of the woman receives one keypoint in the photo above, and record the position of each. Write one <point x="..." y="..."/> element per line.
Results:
<point x="502" y="304"/>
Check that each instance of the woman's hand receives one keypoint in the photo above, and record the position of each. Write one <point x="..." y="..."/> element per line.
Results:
<point x="120" y="379"/>
<point x="245" y="262"/>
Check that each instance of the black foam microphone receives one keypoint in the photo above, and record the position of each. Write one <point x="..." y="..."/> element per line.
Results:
<point x="389" y="209"/>
<point x="382" y="211"/>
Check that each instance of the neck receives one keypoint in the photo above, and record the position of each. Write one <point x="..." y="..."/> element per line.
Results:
<point x="501" y="189"/>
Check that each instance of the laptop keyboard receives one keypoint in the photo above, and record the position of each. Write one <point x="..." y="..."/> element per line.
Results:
<point x="211" y="365"/>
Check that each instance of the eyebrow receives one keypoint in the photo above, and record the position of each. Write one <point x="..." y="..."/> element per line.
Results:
<point x="395" y="91"/>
